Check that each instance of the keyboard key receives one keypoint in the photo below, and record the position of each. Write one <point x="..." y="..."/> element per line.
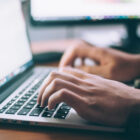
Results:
<point x="35" y="88"/>
<point x="5" y="107"/>
<point x="25" y="97"/>
<point x="38" y="106"/>
<point x="13" y="100"/>
<point x="31" y="103"/>
<point x="22" y="100"/>
<point x="34" y="100"/>
<point x="24" y="111"/>
<point x="65" y="107"/>
<point x="31" y="91"/>
<point x="64" y="104"/>
<point x="47" y="114"/>
<point x="20" y="93"/>
<point x="28" y="106"/>
<point x="15" y="97"/>
<point x="59" y="116"/>
<point x="36" y="96"/>
<point x="9" y="103"/>
<point x="11" y="111"/>
<point x="28" y="94"/>
<point x="2" y="110"/>
<point x="63" y="112"/>
<point x="14" y="107"/>
<point x="19" y="103"/>
<point x="52" y="110"/>
<point x="36" y="112"/>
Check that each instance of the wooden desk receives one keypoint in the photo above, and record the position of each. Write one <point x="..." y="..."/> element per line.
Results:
<point x="57" y="45"/>
<point x="16" y="132"/>
<point x="19" y="132"/>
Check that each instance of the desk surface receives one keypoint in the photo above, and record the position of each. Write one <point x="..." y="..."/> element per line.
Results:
<point x="19" y="132"/>
<point x="16" y="132"/>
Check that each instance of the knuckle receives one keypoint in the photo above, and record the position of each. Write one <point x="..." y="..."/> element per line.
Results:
<point x="63" y="93"/>
<point x="111" y="72"/>
<point x="90" y="103"/>
<point x="74" y="48"/>
<point x="55" y="82"/>
<point x="54" y="74"/>
<point x="101" y="51"/>
<point x="77" y="45"/>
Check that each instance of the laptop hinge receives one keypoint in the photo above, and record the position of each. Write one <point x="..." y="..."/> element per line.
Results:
<point x="10" y="89"/>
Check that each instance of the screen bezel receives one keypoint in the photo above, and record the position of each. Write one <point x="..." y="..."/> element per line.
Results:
<point x="83" y="22"/>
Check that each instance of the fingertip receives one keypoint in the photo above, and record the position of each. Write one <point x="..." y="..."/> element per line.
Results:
<point x="38" y="102"/>
<point x="50" y="104"/>
<point x="63" y="69"/>
<point x="42" y="104"/>
<point x="50" y="107"/>
<point x="39" y="98"/>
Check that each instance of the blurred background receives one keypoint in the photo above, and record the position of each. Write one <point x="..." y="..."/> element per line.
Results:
<point x="110" y="33"/>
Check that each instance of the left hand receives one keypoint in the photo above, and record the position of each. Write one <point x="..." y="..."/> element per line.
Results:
<point x="111" y="64"/>
<point x="94" y="98"/>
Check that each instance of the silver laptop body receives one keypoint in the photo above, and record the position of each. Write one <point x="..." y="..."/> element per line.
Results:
<point x="20" y="80"/>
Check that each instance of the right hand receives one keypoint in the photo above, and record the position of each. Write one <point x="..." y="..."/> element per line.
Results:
<point x="96" y="99"/>
<point x="111" y="64"/>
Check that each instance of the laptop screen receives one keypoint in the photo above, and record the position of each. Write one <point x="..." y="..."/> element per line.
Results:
<point x="15" y="54"/>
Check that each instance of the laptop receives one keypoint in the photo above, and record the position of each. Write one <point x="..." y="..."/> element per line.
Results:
<point x="20" y="79"/>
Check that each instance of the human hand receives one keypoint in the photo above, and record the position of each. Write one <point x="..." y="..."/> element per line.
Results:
<point x="111" y="64"/>
<point x="94" y="98"/>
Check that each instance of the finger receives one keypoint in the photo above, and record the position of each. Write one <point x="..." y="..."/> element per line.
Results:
<point x="59" y="84"/>
<point x="76" y="72"/>
<point x="43" y="86"/>
<point x="83" y="52"/>
<point x="68" y="57"/>
<point x="97" y="70"/>
<point x="67" y="96"/>
<point x="54" y="75"/>
<point x="102" y="71"/>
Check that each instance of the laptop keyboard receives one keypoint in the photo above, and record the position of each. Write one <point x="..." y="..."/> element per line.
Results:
<point x="25" y="103"/>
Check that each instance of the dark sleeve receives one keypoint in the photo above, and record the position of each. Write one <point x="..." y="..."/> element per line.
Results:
<point x="133" y="124"/>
